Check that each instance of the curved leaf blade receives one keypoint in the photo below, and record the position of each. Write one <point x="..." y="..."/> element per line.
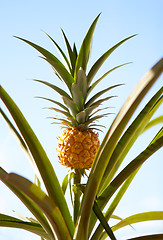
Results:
<point x="71" y="54"/>
<point x="97" y="95"/>
<point x="33" y="208"/>
<point x="8" y="221"/>
<point x="99" y="80"/>
<point x="140" y="217"/>
<point x="102" y="59"/>
<point x="129" y="137"/>
<point x="59" y="67"/>
<point x="107" y="147"/>
<point x="84" y="52"/>
<point x="45" y="203"/>
<point x="55" y="102"/>
<point x="57" y="89"/>
<point x="60" y="50"/>
<point x="153" y="122"/>
<point x="40" y="157"/>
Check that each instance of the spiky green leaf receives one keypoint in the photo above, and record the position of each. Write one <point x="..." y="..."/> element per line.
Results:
<point x="60" y="50"/>
<point x="97" y="103"/>
<point x="97" y="95"/>
<point x="40" y="157"/>
<point x="44" y="202"/>
<point x="59" y="67"/>
<point x="57" y="89"/>
<point x="130" y="136"/>
<point x="102" y="59"/>
<point x="107" y="147"/>
<point x="71" y="53"/>
<point x="140" y="217"/>
<point x="154" y="122"/>
<point x="55" y="102"/>
<point x="33" y="208"/>
<point x="85" y="49"/>
<point x="99" y="80"/>
<point x="8" y="221"/>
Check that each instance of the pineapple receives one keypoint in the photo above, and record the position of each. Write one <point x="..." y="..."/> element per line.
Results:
<point x="78" y="144"/>
<point x="77" y="148"/>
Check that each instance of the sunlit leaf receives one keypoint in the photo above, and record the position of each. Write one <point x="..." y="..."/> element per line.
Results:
<point x="59" y="67"/>
<point x="102" y="59"/>
<point x="140" y="217"/>
<point x="57" y="89"/>
<point x="40" y="157"/>
<point x="44" y="202"/>
<point x="8" y="221"/>
<point x="107" y="147"/>
<point x="33" y="208"/>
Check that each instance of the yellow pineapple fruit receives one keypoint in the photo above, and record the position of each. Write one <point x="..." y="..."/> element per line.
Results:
<point x="77" y="148"/>
<point x="78" y="144"/>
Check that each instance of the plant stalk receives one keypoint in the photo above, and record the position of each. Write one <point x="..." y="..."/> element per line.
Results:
<point x="77" y="194"/>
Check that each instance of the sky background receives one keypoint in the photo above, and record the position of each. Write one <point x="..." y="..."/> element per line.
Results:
<point x="19" y="63"/>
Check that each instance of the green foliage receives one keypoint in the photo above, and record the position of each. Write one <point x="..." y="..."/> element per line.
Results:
<point x="52" y="215"/>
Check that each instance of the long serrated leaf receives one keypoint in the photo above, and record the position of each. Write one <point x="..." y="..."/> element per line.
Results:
<point x="60" y="50"/>
<point x="140" y="217"/>
<point x="153" y="123"/>
<point x="20" y="140"/>
<point x="33" y="208"/>
<point x="61" y="72"/>
<point x="97" y="95"/>
<point x="107" y="147"/>
<point x="85" y="49"/>
<point x="126" y="176"/>
<point x="97" y="103"/>
<point x="102" y="59"/>
<point x="57" y="89"/>
<point x="44" y="202"/>
<point x="129" y="137"/>
<point x="67" y="114"/>
<point x="59" y="67"/>
<point x="99" y="80"/>
<point x="15" y="131"/>
<point x="90" y="120"/>
<point x="98" y="110"/>
<point x="8" y="221"/>
<point x="55" y="102"/>
<point x="40" y="157"/>
<point x="103" y="221"/>
<point x="112" y="207"/>
<point x="71" y="54"/>
<point x="130" y="168"/>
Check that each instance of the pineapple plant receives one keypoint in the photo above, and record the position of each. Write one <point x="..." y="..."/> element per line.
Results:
<point x="78" y="144"/>
<point x="79" y="149"/>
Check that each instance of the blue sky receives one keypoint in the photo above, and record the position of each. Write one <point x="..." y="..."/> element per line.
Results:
<point x="19" y="64"/>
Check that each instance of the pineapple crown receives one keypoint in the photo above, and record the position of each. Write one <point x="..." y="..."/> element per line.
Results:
<point x="77" y="110"/>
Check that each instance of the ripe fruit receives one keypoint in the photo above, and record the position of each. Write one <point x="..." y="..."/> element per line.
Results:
<point x="77" y="148"/>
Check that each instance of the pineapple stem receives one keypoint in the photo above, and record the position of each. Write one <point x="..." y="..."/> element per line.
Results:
<point x="77" y="194"/>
